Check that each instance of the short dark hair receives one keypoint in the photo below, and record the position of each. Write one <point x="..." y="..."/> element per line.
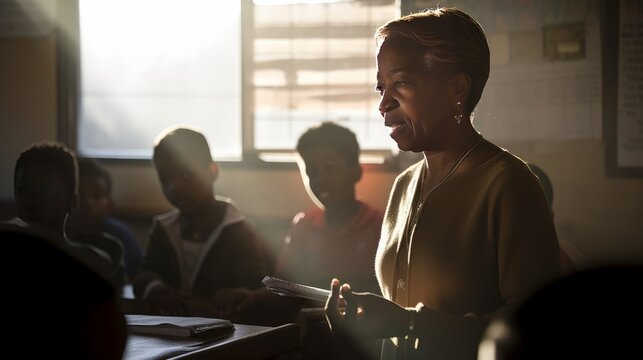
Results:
<point x="334" y="136"/>
<point x="90" y="168"/>
<point x="55" y="155"/>
<point x="449" y="38"/>
<point x="186" y="144"/>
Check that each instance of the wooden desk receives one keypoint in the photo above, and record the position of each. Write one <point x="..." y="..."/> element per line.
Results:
<point x="247" y="342"/>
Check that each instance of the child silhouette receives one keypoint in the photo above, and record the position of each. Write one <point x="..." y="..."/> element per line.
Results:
<point x="339" y="236"/>
<point x="336" y="238"/>
<point x="203" y="248"/>
<point x="45" y="191"/>
<point x="94" y="213"/>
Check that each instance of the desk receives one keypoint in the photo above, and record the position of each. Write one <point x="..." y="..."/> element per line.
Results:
<point x="247" y="342"/>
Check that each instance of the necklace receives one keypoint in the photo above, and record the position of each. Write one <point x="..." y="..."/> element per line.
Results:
<point x="403" y="258"/>
<point x="451" y="171"/>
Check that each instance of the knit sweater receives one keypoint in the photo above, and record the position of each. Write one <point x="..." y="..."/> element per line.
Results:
<point x="480" y="241"/>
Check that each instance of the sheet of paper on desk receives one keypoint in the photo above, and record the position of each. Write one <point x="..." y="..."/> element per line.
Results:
<point x="178" y="325"/>
<point x="288" y="288"/>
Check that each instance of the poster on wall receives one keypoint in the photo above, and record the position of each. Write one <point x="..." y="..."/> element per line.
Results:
<point x="630" y="85"/>
<point x="622" y="82"/>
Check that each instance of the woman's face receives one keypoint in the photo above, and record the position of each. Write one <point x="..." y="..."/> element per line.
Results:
<point x="415" y="101"/>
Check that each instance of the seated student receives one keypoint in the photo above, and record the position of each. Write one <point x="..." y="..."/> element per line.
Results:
<point x="45" y="191"/>
<point x="204" y="247"/>
<point x="61" y="308"/>
<point x="590" y="314"/>
<point x="566" y="263"/>
<point x="338" y="237"/>
<point x="95" y="206"/>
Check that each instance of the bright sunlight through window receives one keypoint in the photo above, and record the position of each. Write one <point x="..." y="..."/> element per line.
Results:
<point x="150" y="64"/>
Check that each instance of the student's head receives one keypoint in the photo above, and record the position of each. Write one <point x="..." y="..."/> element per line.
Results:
<point x="81" y="306"/>
<point x="584" y="315"/>
<point x="329" y="164"/>
<point x="185" y="167"/>
<point x="45" y="184"/>
<point x="94" y="190"/>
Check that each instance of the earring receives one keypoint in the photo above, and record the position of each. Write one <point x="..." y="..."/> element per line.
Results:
<point x="458" y="115"/>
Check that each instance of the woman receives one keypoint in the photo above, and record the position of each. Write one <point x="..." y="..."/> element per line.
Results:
<point x="467" y="230"/>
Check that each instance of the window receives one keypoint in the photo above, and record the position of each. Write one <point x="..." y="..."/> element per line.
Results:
<point x="315" y="62"/>
<point x="149" y="64"/>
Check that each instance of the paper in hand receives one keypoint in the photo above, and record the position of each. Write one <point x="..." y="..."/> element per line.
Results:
<point x="288" y="288"/>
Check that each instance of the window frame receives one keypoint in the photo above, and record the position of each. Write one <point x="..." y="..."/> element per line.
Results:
<point x="68" y="93"/>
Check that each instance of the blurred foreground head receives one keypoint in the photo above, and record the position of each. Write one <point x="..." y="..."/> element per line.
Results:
<point x="593" y="313"/>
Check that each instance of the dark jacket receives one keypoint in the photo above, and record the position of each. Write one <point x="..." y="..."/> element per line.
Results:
<point x="231" y="257"/>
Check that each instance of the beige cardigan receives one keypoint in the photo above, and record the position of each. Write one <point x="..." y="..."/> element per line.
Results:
<point x="480" y="241"/>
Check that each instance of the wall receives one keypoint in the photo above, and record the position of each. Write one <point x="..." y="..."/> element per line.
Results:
<point x="597" y="218"/>
<point x="27" y="99"/>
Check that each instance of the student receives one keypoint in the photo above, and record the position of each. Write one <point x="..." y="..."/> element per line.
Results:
<point x="45" y="191"/>
<point x="93" y="215"/>
<point x="61" y="307"/>
<point x="338" y="237"/>
<point x="467" y="231"/>
<point x="590" y="314"/>
<point x="566" y="263"/>
<point x="204" y="247"/>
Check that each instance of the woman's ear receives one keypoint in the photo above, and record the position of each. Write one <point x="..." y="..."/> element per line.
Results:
<point x="214" y="170"/>
<point x="461" y="83"/>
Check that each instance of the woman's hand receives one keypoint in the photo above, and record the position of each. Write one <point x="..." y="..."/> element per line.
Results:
<point x="366" y="315"/>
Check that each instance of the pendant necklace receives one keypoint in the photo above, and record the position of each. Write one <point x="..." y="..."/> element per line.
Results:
<point x="451" y="171"/>
<point x="404" y="247"/>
